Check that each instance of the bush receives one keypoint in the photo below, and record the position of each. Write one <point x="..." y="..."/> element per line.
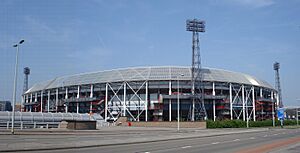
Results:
<point x="225" y="124"/>
<point x="242" y="124"/>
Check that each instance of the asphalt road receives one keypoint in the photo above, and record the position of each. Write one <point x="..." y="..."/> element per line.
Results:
<point x="236" y="143"/>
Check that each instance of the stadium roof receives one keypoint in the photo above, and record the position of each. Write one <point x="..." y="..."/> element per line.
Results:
<point x="148" y="73"/>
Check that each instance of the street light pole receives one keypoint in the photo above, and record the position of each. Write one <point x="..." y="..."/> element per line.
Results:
<point x="15" y="86"/>
<point x="177" y="104"/>
<point x="178" y="114"/>
<point x="297" y="116"/>
<point x="273" y="116"/>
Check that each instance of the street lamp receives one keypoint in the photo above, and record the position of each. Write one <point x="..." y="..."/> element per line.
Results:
<point x="15" y="86"/>
<point x="297" y="115"/>
<point x="178" y="115"/>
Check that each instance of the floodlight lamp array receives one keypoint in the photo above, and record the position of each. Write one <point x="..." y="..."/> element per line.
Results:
<point x="27" y="70"/>
<point x="276" y="66"/>
<point x="195" y="25"/>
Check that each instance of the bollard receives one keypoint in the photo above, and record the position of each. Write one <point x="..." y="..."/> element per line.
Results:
<point x="7" y="126"/>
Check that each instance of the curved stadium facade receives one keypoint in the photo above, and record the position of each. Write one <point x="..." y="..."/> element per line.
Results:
<point x="151" y="94"/>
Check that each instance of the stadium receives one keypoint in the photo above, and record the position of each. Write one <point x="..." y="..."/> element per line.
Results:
<point x="152" y="94"/>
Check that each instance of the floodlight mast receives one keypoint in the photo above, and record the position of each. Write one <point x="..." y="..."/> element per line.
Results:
<point x="198" y="107"/>
<point x="276" y="67"/>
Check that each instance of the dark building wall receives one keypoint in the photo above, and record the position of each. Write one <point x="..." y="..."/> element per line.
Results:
<point x="5" y="106"/>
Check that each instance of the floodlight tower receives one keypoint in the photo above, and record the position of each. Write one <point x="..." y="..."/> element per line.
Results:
<point x="198" y="108"/>
<point x="26" y="73"/>
<point x="277" y="84"/>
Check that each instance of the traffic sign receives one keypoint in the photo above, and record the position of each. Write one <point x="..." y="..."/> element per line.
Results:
<point x="280" y="114"/>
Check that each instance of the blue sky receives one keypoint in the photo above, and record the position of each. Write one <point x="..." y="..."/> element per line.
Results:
<point x="73" y="36"/>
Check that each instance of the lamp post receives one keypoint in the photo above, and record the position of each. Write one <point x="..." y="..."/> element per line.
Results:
<point x="15" y="86"/>
<point x="178" y="115"/>
<point x="297" y="114"/>
<point x="273" y="116"/>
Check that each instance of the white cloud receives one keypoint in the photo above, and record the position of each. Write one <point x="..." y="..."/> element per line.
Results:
<point x="38" y="26"/>
<point x="38" y="30"/>
<point x="254" y="3"/>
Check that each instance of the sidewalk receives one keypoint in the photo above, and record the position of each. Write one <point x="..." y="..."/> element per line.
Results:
<point x="41" y="139"/>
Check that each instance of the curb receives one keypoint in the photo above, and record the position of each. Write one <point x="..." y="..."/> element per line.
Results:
<point x="128" y="143"/>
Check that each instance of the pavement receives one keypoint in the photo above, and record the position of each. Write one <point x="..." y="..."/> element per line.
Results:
<point x="55" y="139"/>
<point x="261" y="141"/>
<point x="294" y="148"/>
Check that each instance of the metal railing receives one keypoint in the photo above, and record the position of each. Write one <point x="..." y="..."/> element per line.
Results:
<point x="26" y="125"/>
<point x="43" y="120"/>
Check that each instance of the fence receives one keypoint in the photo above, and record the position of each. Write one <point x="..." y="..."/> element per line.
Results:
<point x="43" y="120"/>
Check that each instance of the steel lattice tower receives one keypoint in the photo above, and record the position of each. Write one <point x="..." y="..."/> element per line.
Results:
<point x="26" y="73"/>
<point x="277" y="84"/>
<point x="198" y="107"/>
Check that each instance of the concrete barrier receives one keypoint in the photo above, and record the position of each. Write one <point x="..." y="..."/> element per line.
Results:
<point x="78" y="125"/>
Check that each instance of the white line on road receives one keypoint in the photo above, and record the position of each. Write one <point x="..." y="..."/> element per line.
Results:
<point x="215" y="143"/>
<point x="252" y="138"/>
<point x="265" y="135"/>
<point x="236" y="140"/>
<point x="186" y="147"/>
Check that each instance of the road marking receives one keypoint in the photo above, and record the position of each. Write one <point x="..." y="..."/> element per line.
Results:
<point x="265" y="135"/>
<point x="186" y="147"/>
<point x="215" y="143"/>
<point x="236" y="140"/>
<point x="252" y="138"/>
<point x="275" y="134"/>
<point x="147" y="152"/>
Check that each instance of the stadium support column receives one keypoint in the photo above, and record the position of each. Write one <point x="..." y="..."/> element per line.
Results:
<point x="56" y="100"/>
<point x="106" y="98"/>
<point x="66" y="97"/>
<point x="230" y="100"/>
<point x="48" y="102"/>
<point x="42" y="94"/>
<point x="124" y="101"/>
<point x="22" y="104"/>
<point x="243" y="99"/>
<point x="170" y="101"/>
<point x="91" y="96"/>
<point x="35" y="97"/>
<point x="78" y="95"/>
<point x="253" y="103"/>
<point x="146" y="102"/>
<point x="277" y="100"/>
<point x="35" y="100"/>
<point x="30" y="99"/>
<point x="214" y="102"/>
<point x="260" y="93"/>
